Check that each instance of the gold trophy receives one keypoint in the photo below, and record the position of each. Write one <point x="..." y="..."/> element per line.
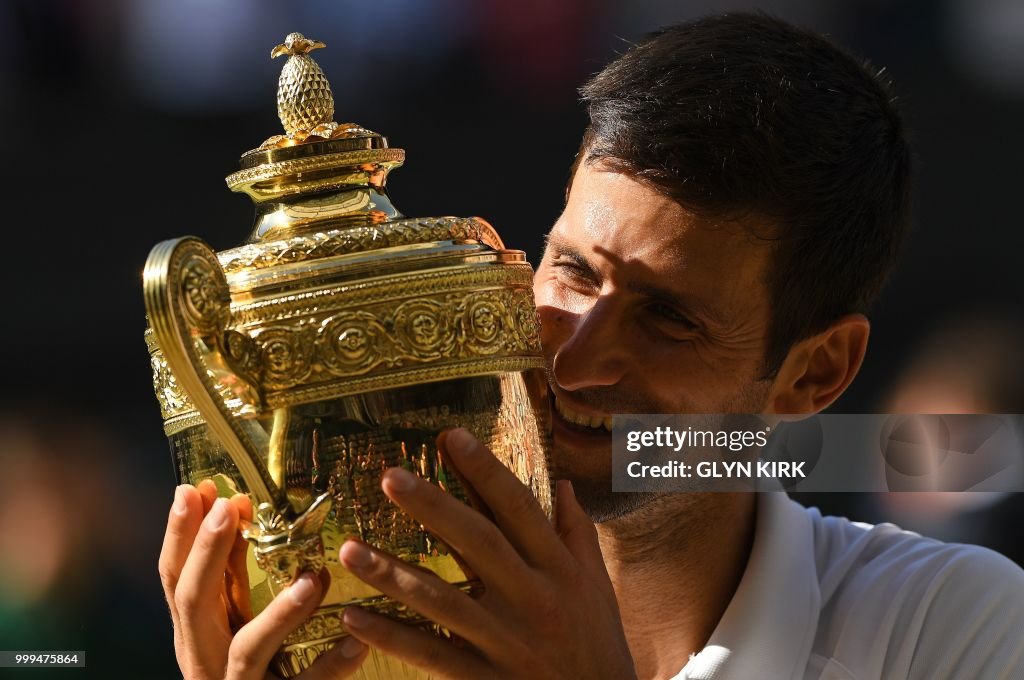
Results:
<point x="339" y="341"/>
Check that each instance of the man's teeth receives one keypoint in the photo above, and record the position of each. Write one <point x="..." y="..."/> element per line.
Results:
<point x="580" y="419"/>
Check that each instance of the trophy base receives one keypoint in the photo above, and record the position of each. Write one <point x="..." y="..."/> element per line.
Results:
<point x="378" y="666"/>
<point x="339" y="449"/>
<point x="296" y="657"/>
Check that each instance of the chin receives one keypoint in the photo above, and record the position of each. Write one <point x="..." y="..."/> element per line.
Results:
<point x="604" y="505"/>
<point x="589" y="470"/>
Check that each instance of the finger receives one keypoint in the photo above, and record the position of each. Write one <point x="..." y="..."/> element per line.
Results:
<point x="414" y="646"/>
<point x="257" y="642"/>
<point x="475" y="501"/>
<point x="422" y="591"/>
<point x="198" y="595"/>
<point x="236" y="580"/>
<point x="477" y="540"/>
<point x="580" y="537"/>
<point x="515" y="508"/>
<point x="208" y="490"/>
<point x="182" y="525"/>
<point x="340" y="661"/>
<point x="243" y="505"/>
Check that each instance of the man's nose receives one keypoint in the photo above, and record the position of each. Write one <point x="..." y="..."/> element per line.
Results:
<point x="595" y="352"/>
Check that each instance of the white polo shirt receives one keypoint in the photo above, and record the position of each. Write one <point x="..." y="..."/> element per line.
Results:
<point x="826" y="598"/>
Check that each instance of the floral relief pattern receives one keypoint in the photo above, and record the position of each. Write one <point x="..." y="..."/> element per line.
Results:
<point x="205" y="293"/>
<point x="444" y="328"/>
<point x="350" y="343"/>
<point x="285" y="356"/>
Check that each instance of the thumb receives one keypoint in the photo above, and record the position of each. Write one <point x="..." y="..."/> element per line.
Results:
<point x="579" y="535"/>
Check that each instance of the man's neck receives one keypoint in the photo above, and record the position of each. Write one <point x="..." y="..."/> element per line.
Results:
<point x="675" y="565"/>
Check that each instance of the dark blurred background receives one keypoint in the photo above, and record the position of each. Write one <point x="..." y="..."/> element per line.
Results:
<point x="120" y="118"/>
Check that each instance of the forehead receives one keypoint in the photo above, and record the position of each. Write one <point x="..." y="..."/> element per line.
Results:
<point x="614" y="217"/>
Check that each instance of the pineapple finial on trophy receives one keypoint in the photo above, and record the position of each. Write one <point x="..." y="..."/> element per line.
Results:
<point x="304" y="100"/>
<point x="305" y="104"/>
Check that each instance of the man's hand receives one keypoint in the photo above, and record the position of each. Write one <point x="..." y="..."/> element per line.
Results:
<point x="548" y="611"/>
<point x="202" y="568"/>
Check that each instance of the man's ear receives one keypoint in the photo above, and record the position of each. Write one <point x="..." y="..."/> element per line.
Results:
<point x="818" y="369"/>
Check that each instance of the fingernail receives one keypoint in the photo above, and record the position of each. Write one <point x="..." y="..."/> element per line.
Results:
<point x="351" y="647"/>
<point x="355" y="555"/>
<point x="218" y="515"/>
<point x="180" y="507"/>
<point x="461" y="439"/>
<point x="565" y="487"/>
<point x="302" y="589"/>
<point x="400" y="480"/>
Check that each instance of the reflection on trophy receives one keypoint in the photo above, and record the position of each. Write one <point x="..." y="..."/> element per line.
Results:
<point x="339" y="341"/>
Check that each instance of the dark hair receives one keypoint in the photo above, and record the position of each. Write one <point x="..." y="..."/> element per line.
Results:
<point x="744" y="114"/>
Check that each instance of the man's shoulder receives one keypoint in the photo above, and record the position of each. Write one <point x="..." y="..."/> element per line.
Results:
<point x="848" y="552"/>
<point x="939" y="608"/>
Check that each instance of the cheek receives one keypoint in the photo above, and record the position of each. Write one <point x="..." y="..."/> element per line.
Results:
<point x="555" y="327"/>
<point x="559" y="311"/>
<point x="547" y="290"/>
<point x="696" y="379"/>
<point x="551" y="293"/>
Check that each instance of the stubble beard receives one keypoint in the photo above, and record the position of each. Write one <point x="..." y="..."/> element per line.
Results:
<point x="595" y="494"/>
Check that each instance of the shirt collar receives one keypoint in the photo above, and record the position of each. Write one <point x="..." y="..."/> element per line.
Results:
<point x="769" y="626"/>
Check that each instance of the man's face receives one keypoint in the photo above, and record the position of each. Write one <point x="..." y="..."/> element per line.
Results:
<point x="645" y="308"/>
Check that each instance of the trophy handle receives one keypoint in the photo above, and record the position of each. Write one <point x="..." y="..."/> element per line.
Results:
<point x="188" y="303"/>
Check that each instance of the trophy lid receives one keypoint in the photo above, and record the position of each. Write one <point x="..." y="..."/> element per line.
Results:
<point x="336" y="292"/>
<point x="321" y="177"/>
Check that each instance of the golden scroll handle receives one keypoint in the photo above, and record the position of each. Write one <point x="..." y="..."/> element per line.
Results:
<point x="189" y="308"/>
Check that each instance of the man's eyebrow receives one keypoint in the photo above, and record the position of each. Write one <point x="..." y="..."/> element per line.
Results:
<point x="562" y="249"/>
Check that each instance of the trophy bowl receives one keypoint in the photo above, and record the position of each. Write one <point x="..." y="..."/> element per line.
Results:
<point x="340" y="340"/>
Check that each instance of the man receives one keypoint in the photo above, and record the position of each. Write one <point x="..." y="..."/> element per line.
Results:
<point x="737" y="202"/>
